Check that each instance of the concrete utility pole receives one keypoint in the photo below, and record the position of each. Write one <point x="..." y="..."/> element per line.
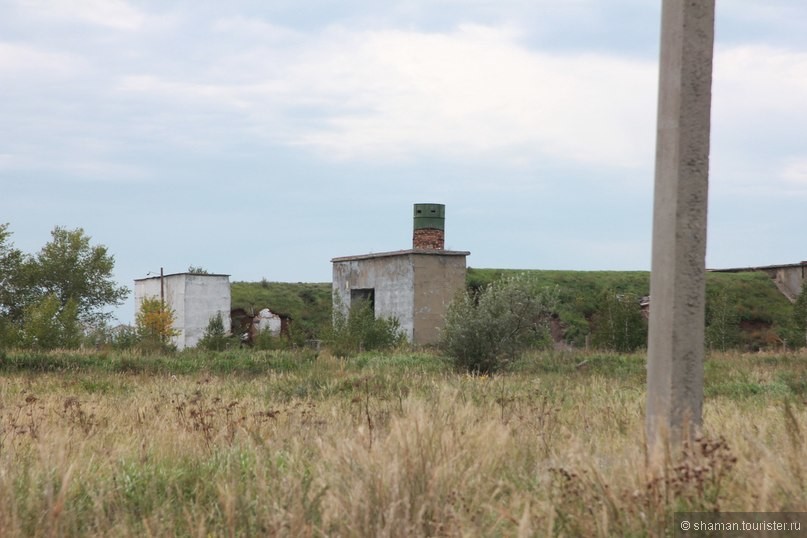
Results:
<point x="678" y="277"/>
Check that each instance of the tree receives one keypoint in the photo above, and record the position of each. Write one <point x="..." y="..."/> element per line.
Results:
<point x="800" y="316"/>
<point x="722" y="321"/>
<point x="12" y="287"/>
<point x="49" y="325"/>
<point x="619" y="324"/>
<point x="70" y="268"/>
<point x="155" y="324"/>
<point x="214" y="337"/>
<point x="487" y="329"/>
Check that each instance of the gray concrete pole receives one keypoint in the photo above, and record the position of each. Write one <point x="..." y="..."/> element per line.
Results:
<point x="677" y="282"/>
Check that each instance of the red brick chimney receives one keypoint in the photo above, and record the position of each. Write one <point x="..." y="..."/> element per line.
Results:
<point x="429" y="227"/>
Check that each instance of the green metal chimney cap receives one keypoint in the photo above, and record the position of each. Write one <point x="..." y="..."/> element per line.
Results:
<point x="432" y="216"/>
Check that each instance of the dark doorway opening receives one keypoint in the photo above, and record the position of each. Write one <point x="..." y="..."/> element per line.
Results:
<point x="362" y="296"/>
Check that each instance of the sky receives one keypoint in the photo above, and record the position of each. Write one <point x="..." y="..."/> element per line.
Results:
<point x="262" y="138"/>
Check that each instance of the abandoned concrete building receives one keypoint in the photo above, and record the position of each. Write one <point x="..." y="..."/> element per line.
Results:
<point x="789" y="278"/>
<point x="195" y="298"/>
<point x="415" y="285"/>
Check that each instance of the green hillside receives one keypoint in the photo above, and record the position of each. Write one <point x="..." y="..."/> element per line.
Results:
<point x="757" y="306"/>
<point x="753" y="302"/>
<point x="308" y="304"/>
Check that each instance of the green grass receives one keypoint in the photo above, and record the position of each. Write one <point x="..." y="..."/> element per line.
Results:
<point x="308" y="304"/>
<point x="381" y="444"/>
<point x="756" y="298"/>
<point x="766" y="313"/>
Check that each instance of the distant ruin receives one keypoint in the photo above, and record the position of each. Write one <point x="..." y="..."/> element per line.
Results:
<point x="789" y="278"/>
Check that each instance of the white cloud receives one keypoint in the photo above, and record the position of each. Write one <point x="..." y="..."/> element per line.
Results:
<point x="187" y="91"/>
<point x="67" y="161"/>
<point x="473" y="92"/>
<point x="6" y="161"/>
<point x="795" y="172"/>
<point x="241" y="28"/>
<point x="18" y="60"/>
<point x="759" y="112"/>
<point x="761" y="80"/>
<point x="476" y="91"/>
<point x="115" y="14"/>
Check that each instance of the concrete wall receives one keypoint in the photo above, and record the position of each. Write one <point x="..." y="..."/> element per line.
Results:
<point x="205" y="296"/>
<point x="789" y="280"/>
<point x="438" y="279"/>
<point x="195" y="299"/>
<point x="174" y="290"/>
<point x="266" y="320"/>
<point x="392" y="277"/>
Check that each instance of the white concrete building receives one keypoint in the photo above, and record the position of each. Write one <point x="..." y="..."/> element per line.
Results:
<point x="195" y="299"/>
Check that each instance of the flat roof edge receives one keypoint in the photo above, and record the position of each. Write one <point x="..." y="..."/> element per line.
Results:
<point x="178" y="274"/>
<point x="759" y="268"/>
<point x="426" y="252"/>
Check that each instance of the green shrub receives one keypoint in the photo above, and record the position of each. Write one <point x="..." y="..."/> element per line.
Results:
<point x="488" y="328"/>
<point x="360" y="331"/>
<point x="265" y="340"/>
<point x="9" y="334"/>
<point x="722" y="321"/>
<point x="618" y="323"/>
<point x="215" y="337"/>
<point x="799" y="333"/>
<point x="155" y="325"/>
<point x="124" y="337"/>
<point x="49" y="325"/>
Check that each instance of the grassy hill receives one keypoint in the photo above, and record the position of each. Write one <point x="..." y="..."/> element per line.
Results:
<point x="755" y="304"/>
<point x="308" y="304"/>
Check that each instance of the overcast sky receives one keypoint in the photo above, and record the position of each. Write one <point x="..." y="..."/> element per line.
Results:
<point x="261" y="138"/>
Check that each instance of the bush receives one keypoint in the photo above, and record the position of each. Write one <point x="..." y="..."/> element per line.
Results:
<point x="722" y="321"/>
<point x="155" y="325"/>
<point x="360" y="331"/>
<point x="9" y="334"/>
<point x="124" y="337"/>
<point x="619" y="324"/>
<point x="214" y="338"/>
<point x="265" y="340"/>
<point x="49" y="325"/>
<point x="488" y="328"/>
<point x="799" y="331"/>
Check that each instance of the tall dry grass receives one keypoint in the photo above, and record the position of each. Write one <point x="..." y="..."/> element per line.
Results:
<point x="388" y="449"/>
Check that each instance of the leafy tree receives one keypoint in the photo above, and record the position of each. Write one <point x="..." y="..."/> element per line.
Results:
<point x="9" y="333"/>
<point x="50" y="325"/>
<point x="214" y="337"/>
<point x="70" y="268"/>
<point x="618" y="323"/>
<point x="12" y="285"/>
<point x="800" y="316"/>
<point x="155" y="324"/>
<point x="123" y="337"/>
<point x="722" y="321"/>
<point x="117" y="337"/>
<point x="486" y="329"/>
<point x="197" y="270"/>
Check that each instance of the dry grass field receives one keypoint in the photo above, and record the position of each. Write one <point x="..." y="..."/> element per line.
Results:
<point x="284" y="444"/>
